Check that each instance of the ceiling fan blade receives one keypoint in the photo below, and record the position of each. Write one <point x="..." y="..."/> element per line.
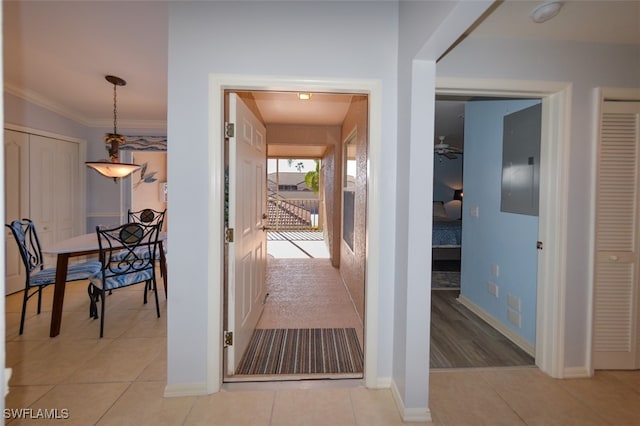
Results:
<point x="450" y="155"/>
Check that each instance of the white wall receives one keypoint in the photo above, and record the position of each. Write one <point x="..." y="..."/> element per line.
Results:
<point x="586" y="66"/>
<point x="328" y="40"/>
<point x="427" y="29"/>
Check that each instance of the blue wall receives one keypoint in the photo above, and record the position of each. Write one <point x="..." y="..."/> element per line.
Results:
<point x="505" y="240"/>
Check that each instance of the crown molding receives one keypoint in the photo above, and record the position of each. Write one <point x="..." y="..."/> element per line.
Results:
<point x="43" y="102"/>
<point x="128" y="124"/>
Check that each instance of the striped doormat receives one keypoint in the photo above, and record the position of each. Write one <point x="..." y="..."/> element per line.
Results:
<point x="302" y="351"/>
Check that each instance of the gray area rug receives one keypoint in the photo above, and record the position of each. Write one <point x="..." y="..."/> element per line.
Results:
<point x="445" y="280"/>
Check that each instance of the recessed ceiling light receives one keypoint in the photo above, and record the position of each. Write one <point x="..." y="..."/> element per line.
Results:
<point x="545" y="11"/>
<point x="304" y="96"/>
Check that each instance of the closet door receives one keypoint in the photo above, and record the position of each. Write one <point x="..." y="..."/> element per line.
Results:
<point x="616" y="342"/>
<point x="16" y="189"/>
<point x="54" y="166"/>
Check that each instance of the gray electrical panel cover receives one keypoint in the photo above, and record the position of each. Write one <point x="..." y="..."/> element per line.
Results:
<point x="521" y="161"/>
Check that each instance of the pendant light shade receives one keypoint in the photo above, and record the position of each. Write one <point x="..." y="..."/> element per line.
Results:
<point x="114" y="168"/>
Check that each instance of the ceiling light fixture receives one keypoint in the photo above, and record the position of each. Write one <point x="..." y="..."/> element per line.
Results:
<point x="545" y="11"/>
<point x="304" y="96"/>
<point x="114" y="168"/>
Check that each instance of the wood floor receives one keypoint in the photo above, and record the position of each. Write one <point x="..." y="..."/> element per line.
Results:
<point x="460" y="339"/>
<point x="317" y="298"/>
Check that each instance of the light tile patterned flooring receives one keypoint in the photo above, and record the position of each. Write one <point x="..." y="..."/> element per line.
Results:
<point x="317" y="298"/>
<point x="89" y="377"/>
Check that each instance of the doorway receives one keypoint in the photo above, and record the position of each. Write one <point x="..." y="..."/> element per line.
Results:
<point x="496" y="290"/>
<point x="549" y="350"/>
<point x="313" y="276"/>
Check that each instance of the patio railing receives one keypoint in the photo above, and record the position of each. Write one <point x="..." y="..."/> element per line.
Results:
<point x="293" y="214"/>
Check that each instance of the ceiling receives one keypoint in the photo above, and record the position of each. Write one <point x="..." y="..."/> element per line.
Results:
<point x="50" y="58"/>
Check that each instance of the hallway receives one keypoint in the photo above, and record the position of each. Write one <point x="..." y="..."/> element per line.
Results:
<point x="309" y="327"/>
<point x="307" y="293"/>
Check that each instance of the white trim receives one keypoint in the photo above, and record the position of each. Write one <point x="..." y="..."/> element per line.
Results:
<point x="192" y="389"/>
<point x="46" y="134"/>
<point x="422" y="414"/>
<point x="218" y="83"/>
<point x="43" y="102"/>
<point x="104" y="214"/>
<point x="556" y="120"/>
<point x="526" y="346"/>
<point x="382" y="383"/>
<point x="576" y="373"/>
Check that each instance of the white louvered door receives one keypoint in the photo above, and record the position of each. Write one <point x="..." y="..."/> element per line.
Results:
<point x="616" y="338"/>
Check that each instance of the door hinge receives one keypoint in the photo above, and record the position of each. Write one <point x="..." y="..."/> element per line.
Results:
<point x="229" y="130"/>
<point x="228" y="338"/>
<point x="228" y="236"/>
<point x="539" y="245"/>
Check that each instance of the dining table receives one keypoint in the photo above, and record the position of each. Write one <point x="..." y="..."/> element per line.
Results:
<point x="83" y="245"/>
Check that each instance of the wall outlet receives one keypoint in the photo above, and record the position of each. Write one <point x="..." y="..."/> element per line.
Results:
<point x="492" y="288"/>
<point x="474" y="211"/>
<point x="513" y="317"/>
<point x="495" y="270"/>
<point x="514" y="302"/>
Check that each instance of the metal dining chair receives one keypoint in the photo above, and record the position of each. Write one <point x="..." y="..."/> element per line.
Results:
<point x="37" y="276"/>
<point x="127" y="257"/>
<point x="150" y="216"/>
<point x="147" y="216"/>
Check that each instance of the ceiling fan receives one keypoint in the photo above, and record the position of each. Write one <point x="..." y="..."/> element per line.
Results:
<point x="446" y="150"/>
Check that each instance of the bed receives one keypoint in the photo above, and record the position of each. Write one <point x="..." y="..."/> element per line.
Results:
<point x="447" y="234"/>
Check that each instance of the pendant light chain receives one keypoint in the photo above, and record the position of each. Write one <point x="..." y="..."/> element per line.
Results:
<point x="115" y="110"/>
<point x="114" y="168"/>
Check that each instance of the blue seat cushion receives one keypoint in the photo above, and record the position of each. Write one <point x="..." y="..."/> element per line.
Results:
<point x="117" y="281"/>
<point x="75" y="272"/>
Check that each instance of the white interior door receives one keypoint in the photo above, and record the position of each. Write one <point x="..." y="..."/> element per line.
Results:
<point x="247" y="210"/>
<point x="16" y="189"/>
<point x="616" y="300"/>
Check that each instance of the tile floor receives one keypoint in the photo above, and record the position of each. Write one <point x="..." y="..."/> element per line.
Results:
<point x="317" y="298"/>
<point x="89" y="377"/>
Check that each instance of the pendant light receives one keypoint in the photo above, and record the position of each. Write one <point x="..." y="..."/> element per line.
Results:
<point x="114" y="168"/>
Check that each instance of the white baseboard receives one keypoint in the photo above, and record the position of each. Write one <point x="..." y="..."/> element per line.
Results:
<point x="503" y="329"/>
<point x="576" y="373"/>
<point x="409" y="414"/>
<point x="187" y="389"/>
<point x="383" y="383"/>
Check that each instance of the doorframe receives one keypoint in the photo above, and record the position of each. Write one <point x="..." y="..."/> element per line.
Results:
<point x="218" y="84"/>
<point x="554" y="158"/>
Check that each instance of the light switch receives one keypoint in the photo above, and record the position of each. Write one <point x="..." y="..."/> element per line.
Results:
<point x="474" y="211"/>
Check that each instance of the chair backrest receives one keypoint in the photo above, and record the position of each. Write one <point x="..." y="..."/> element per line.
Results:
<point x="24" y="232"/>
<point x="147" y="216"/>
<point x="128" y="249"/>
